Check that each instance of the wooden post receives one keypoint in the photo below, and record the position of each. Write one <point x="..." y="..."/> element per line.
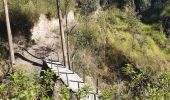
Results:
<point x="67" y="41"/>
<point x="58" y="71"/>
<point x="72" y="67"/>
<point x="67" y="79"/>
<point x="64" y="49"/>
<point x="97" y="85"/>
<point x="58" y="56"/>
<point x="51" y="63"/>
<point x="68" y="49"/>
<point x="94" y="96"/>
<point x="83" y="75"/>
<point x="9" y="33"/>
<point x="78" y="85"/>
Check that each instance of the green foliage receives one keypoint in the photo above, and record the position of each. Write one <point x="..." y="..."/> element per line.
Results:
<point x="160" y="90"/>
<point x="22" y="85"/>
<point x="47" y="80"/>
<point x="23" y="14"/>
<point x="153" y="31"/>
<point x="133" y="21"/>
<point x="110" y="37"/>
<point x="156" y="12"/>
<point x="108" y="93"/>
<point x="65" y="92"/>
<point x="128" y="70"/>
<point x="82" y="92"/>
<point x="88" y="6"/>
<point x="32" y="8"/>
<point x="86" y="34"/>
<point x="67" y="5"/>
<point x="138" y="80"/>
<point x="115" y="38"/>
<point x="19" y="86"/>
<point x="165" y="12"/>
<point x="119" y="37"/>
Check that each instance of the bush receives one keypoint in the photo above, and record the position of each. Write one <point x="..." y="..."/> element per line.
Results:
<point x="88" y="6"/>
<point x="108" y="93"/>
<point x="23" y="14"/>
<point x="83" y="92"/>
<point x="22" y="85"/>
<point x="65" y="92"/>
<point x="161" y="87"/>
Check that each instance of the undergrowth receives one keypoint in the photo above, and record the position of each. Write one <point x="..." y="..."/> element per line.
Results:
<point x="116" y="39"/>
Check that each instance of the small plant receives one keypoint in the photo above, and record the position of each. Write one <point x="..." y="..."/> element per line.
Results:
<point x="25" y="86"/>
<point x="47" y="83"/>
<point x="19" y="85"/>
<point x="161" y="89"/>
<point x="128" y="70"/>
<point x="107" y="93"/>
<point x="82" y="92"/>
<point x="65" y="92"/>
<point x="88" y="6"/>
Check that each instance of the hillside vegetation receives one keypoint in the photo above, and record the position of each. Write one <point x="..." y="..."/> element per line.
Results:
<point x="123" y="43"/>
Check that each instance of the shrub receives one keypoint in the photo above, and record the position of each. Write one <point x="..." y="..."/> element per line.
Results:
<point x="22" y="85"/>
<point x="108" y="93"/>
<point x="83" y="92"/>
<point x="88" y="6"/>
<point x="161" y="87"/>
<point x="65" y="92"/>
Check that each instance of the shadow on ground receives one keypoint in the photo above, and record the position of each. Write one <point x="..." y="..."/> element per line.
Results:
<point x="21" y="25"/>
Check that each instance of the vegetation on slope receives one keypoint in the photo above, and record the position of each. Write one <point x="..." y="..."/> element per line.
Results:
<point x="122" y="42"/>
<point x="23" y="85"/>
<point x="117" y="42"/>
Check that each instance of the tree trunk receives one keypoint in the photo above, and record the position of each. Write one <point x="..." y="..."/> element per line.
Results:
<point x="68" y="53"/>
<point x="64" y="49"/>
<point x="9" y="33"/>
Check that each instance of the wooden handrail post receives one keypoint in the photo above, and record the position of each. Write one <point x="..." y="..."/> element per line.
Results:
<point x="58" y="71"/>
<point x="97" y="85"/>
<point x="83" y="74"/>
<point x="58" y="56"/>
<point x="72" y="67"/>
<point x="67" y="79"/>
<point x="64" y="49"/>
<point x="94" y="96"/>
<point x="9" y="33"/>
<point x="78" y="85"/>
<point x="51" y="62"/>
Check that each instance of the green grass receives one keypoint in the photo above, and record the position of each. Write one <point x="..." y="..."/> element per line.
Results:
<point x="31" y="8"/>
<point x="144" y="48"/>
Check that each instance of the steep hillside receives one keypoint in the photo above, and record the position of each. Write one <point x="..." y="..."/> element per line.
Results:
<point x="123" y="45"/>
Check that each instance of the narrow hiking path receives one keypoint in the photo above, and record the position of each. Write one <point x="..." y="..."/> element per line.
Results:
<point x="48" y="47"/>
<point x="70" y="78"/>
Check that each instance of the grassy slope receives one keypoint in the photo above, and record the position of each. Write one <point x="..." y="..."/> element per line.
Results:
<point x="114" y="46"/>
<point x="108" y="43"/>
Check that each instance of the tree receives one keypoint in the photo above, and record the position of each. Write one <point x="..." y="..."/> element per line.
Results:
<point x="64" y="49"/>
<point x="68" y="5"/>
<point x="132" y="20"/>
<point x="88" y="6"/>
<point x="66" y="12"/>
<point x="9" y="33"/>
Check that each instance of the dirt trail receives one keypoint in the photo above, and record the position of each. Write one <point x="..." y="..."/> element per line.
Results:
<point x="45" y="34"/>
